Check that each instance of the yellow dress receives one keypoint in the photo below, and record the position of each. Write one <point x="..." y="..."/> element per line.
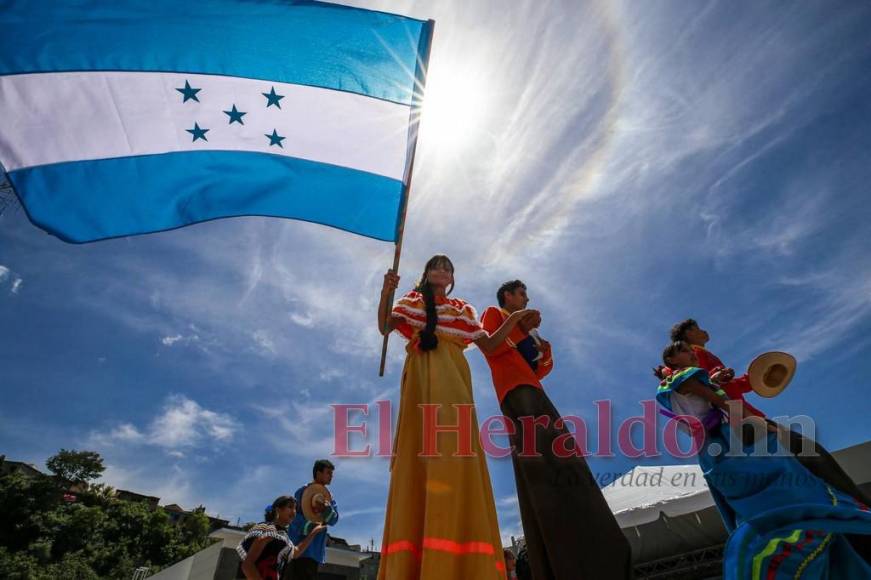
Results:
<point x="441" y="518"/>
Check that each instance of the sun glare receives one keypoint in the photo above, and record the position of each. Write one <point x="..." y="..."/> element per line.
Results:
<point x="455" y="105"/>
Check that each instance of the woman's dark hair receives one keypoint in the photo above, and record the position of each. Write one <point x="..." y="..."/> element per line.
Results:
<point x="428" y="339"/>
<point x="507" y="287"/>
<point x="679" y="330"/>
<point x="671" y="350"/>
<point x="280" y="502"/>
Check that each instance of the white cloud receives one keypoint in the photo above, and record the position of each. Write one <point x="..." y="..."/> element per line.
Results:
<point x="841" y="304"/>
<point x="123" y="433"/>
<point x="510" y="524"/>
<point x="186" y="339"/>
<point x="304" y="320"/>
<point x="331" y="374"/>
<point x="7" y="274"/>
<point x="170" y="483"/>
<point x="182" y="423"/>
<point x="126" y="432"/>
<point x="346" y="514"/>
<point x="263" y="340"/>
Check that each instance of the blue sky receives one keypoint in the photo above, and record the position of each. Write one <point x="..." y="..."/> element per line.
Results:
<point x="634" y="163"/>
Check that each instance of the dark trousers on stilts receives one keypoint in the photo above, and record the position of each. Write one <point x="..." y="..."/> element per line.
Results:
<point x="569" y="529"/>
<point x="301" y="569"/>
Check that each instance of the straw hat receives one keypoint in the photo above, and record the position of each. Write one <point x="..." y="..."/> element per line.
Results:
<point x="770" y="373"/>
<point x="315" y="499"/>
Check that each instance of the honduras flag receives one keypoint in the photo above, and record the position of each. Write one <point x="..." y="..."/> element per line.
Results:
<point x="136" y="116"/>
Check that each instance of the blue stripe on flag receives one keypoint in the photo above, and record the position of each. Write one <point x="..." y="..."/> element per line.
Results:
<point x="301" y="42"/>
<point x="86" y="201"/>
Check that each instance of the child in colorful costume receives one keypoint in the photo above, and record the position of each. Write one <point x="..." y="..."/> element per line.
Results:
<point x="783" y="521"/>
<point x="809" y="452"/>
<point x="441" y="517"/>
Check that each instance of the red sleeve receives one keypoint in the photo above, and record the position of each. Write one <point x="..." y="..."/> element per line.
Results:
<point x="491" y="321"/>
<point x="738" y="385"/>
<point x="707" y="359"/>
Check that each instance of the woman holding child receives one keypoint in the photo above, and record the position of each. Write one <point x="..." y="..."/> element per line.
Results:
<point x="784" y="522"/>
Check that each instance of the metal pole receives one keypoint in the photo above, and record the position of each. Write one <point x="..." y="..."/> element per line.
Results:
<point x="423" y="66"/>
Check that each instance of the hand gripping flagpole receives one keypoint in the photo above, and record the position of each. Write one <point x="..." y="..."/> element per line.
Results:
<point x="417" y="103"/>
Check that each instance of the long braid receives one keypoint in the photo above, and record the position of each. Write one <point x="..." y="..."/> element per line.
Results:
<point x="428" y="338"/>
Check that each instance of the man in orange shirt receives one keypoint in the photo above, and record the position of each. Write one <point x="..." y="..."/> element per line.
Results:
<point x="570" y="531"/>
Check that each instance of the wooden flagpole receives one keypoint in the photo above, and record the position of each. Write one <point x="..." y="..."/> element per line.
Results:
<point x="423" y="65"/>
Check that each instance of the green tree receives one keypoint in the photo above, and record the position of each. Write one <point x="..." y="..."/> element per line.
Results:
<point x="18" y="565"/>
<point x="98" y="494"/>
<point x="44" y="537"/>
<point x="74" y="528"/>
<point x="71" y="567"/>
<point x="77" y="467"/>
<point x="24" y="502"/>
<point x="195" y="530"/>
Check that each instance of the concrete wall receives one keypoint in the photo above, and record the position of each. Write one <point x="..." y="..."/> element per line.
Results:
<point x="200" y="566"/>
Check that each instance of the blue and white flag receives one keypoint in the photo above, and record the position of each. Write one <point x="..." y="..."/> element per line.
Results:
<point x="136" y="116"/>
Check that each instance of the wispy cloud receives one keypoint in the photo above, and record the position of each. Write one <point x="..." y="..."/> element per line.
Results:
<point x="263" y="340"/>
<point x="170" y="483"/>
<point x="8" y="278"/>
<point x="304" y="320"/>
<point x="184" y="423"/>
<point x="181" y="424"/>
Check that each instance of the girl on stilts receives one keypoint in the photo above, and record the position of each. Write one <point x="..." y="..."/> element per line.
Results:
<point x="441" y="517"/>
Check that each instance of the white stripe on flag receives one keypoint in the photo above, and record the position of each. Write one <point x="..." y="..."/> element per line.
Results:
<point x="57" y="117"/>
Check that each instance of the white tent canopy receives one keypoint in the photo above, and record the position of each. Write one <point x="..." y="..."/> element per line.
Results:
<point x="640" y="495"/>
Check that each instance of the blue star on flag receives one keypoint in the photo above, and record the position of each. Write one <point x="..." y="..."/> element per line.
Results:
<point x="198" y="133"/>
<point x="272" y="98"/>
<point x="189" y="92"/>
<point x="235" y="115"/>
<point x="275" y="138"/>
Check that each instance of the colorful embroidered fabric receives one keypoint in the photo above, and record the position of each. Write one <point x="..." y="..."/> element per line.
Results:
<point x="457" y="318"/>
<point x="671" y="383"/>
<point x="275" y="554"/>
